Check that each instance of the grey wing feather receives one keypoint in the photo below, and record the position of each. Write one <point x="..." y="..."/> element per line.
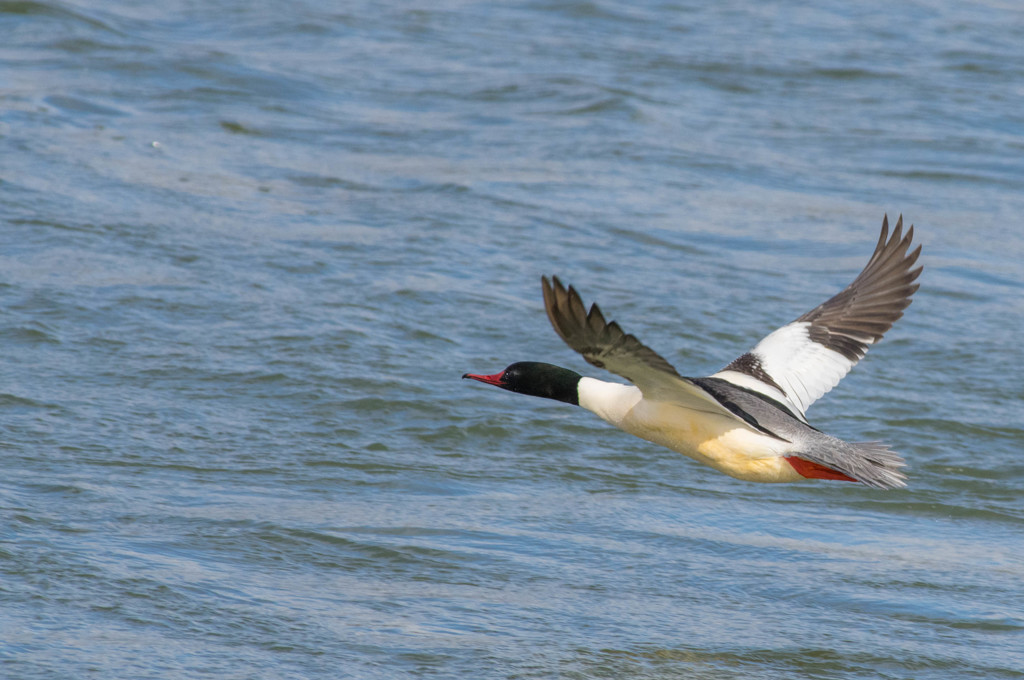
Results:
<point x="605" y="345"/>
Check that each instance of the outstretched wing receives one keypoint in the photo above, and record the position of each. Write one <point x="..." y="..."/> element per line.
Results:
<point x="803" y="360"/>
<point x="605" y="345"/>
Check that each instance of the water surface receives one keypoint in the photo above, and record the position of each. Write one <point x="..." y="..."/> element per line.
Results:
<point x="247" y="250"/>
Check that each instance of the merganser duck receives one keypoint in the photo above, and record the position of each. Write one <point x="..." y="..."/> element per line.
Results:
<point x="747" y="420"/>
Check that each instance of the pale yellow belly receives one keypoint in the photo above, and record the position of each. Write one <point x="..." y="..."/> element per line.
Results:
<point x="714" y="440"/>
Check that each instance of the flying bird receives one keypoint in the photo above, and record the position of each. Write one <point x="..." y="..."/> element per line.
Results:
<point x="747" y="420"/>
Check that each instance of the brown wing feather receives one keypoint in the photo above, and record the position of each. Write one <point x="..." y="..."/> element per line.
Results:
<point x="603" y="344"/>
<point x="862" y="312"/>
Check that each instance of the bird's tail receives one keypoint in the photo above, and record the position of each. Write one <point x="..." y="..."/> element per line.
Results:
<point x="871" y="463"/>
<point x="874" y="464"/>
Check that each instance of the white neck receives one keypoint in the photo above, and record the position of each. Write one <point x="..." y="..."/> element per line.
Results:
<point x="610" y="401"/>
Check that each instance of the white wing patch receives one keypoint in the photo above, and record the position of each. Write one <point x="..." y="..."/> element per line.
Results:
<point x="796" y="370"/>
<point x="798" y="363"/>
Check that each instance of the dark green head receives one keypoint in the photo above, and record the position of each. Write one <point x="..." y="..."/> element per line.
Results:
<point x="537" y="380"/>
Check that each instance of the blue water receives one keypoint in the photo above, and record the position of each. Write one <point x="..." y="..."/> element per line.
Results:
<point x="247" y="250"/>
